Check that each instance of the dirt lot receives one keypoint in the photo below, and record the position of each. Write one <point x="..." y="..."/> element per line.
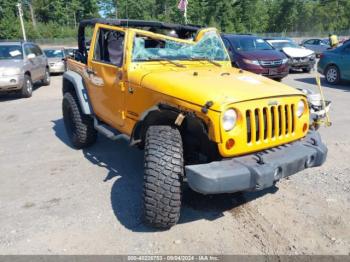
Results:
<point x="57" y="200"/>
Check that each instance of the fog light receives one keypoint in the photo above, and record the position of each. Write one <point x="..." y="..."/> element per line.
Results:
<point x="230" y="143"/>
<point x="305" y="127"/>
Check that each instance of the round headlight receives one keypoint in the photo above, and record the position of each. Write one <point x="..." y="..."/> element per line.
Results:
<point x="300" y="108"/>
<point x="229" y="119"/>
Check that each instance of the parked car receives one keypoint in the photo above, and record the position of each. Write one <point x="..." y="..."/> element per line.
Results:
<point x="253" y="54"/>
<point x="316" y="45"/>
<point x="57" y="59"/>
<point x="335" y="64"/>
<point x="21" y="65"/>
<point x="69" y="52"/>
<point x="299" y="57"/>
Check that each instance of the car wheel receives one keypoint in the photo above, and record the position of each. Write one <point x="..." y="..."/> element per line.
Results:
<point x="332" y="74"/>
<point x="163" y="174"/>
<point x="47" y="79"/>
<point x="27" y="88"/>
<point x="79" y="127"/>
<point x="278" y="79"/>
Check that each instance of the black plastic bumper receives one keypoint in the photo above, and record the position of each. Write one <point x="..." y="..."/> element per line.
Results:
<point x="257" y="171"/>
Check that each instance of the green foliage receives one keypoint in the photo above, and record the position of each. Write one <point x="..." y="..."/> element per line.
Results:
<point x="59" y="18"/>
<point x="52" y="18"/>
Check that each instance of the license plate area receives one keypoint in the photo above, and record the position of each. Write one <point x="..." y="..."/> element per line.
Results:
<point x="273" y="71"/>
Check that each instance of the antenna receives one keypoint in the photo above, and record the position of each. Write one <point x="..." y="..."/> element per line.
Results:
<point x="20" y="12"/>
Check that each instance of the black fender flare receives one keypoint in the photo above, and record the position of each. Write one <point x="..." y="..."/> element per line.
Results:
<point x="73" y="79"/>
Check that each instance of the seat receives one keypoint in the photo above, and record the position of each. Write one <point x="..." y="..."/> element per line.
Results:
<point x="115" y="46"/>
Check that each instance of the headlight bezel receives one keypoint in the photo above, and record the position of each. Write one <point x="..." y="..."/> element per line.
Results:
<point x="301" y="108"/>
<point x="229" y="119"/>
<point x="285" y="60"/>
<point x="251" y="62"/>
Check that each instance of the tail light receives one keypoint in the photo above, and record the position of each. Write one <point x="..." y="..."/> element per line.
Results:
<point x="321" y="56"/>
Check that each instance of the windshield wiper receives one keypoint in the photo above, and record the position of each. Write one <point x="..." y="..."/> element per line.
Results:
<point x="205" y="59"/>
<point x="164" y="59"/>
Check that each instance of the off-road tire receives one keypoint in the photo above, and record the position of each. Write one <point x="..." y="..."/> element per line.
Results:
<point x="163" y="175"/>
<point x="27" y="88"/>
<point x="332" y="74"/>
<point x="47" y="78"/>
<point x="79" y="127"/>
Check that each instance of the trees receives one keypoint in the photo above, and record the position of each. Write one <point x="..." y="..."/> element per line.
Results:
<point x="45" y="18"/>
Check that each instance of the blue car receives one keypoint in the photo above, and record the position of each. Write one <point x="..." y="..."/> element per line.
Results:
<point x="335" y="64"/>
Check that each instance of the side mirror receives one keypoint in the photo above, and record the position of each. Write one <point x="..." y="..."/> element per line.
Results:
<point x="31" y="56"/>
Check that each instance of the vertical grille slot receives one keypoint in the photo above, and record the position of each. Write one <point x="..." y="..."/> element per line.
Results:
<point x="257" y="124"/>
<point x="273" y="122"/>
<point x="280" y="123"/>
<point x="249" y="130"/>
<point x="293" y="118"/>
<point x="267" y="123"/>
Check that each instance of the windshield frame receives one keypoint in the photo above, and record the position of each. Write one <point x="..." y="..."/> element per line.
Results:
<point x="234" y="44"/>
<point x="191" y="42"/>
<point x="53" y="50"/>
<point x="20" y="47"/>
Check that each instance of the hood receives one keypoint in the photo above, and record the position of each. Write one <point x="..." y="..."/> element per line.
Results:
<point x="54" y="59"/>
<point x="222" y="86"/>
<point x="10" y="63"/>
<point x="262" y="55"/>
<point x="297" y="52"/>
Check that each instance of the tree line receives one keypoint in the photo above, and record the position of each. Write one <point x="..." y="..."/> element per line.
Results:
<point x="59" y="18"/>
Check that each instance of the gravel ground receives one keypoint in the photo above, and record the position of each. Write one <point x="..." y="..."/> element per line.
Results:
<point x="57" y="200"/>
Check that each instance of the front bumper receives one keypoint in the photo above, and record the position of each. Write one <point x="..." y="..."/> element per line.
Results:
<point x="257" y="171"/>
<point x="300" y="63"/>
<point x="8" y="83"/>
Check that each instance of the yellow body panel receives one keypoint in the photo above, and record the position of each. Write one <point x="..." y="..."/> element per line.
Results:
<point x="120" y="96"/>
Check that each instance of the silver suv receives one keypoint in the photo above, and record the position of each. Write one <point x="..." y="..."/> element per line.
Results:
<point x="21" y="65"/>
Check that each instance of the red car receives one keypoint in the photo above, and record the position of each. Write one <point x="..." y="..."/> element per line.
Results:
<point x="254" y="54"/>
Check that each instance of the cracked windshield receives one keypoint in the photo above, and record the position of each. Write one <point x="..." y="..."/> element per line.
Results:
<point x="209" y="47"/>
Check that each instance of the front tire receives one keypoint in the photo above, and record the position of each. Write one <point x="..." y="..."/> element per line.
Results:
<point x="163" y="174"/>
<point x="79" y="127"/>
<point x="47" y="79"/>
<point x="332" y="74"/>
<point x="27" y="88"/>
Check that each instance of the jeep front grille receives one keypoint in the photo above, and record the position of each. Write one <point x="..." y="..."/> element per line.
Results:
<point x="264" y="124"/>
<point x="270" y="63"/>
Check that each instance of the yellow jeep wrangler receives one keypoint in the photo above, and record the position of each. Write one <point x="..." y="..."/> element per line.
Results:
<point x="172" y="90"/>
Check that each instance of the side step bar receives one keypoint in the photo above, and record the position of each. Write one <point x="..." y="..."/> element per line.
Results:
<point x="103" y="129"/>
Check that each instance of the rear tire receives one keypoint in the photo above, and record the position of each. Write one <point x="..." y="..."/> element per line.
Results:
<point x="332" y="75"/>
<point x="79" y="127"/>
<point x="163" y="174"/>
<point x="27" y="88"/>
